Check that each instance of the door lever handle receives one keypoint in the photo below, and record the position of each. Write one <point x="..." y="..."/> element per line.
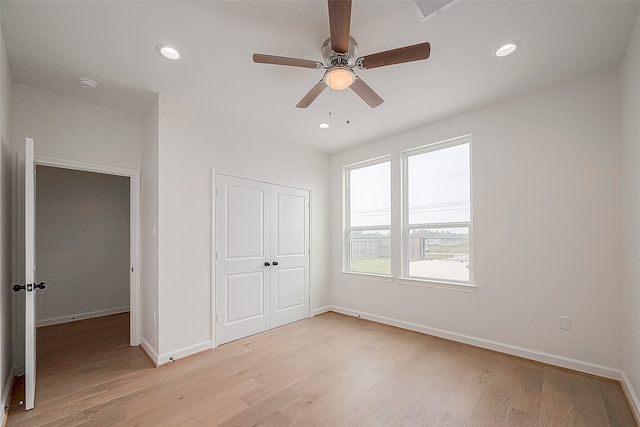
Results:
<point x="275" y="262"/>
<point x="267" y="264"/>
<point x="28" y="287"/>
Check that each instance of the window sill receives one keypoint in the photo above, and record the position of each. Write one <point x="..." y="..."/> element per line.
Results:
<point x="368" y="276"/>
<point x="454" y="286"/>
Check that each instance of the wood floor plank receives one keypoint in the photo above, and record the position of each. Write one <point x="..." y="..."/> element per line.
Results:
<point x="445" y="419"/>
<point x="463" y="401"/>
<point x="262" y="410"/>
<point x="428" y="406"/>
<point x="492" y="410"/>
<point x="617" y="409"/>
<point x="393" y="396"/>
<point x="571" y="400"/>
<point x="330" y="370"/>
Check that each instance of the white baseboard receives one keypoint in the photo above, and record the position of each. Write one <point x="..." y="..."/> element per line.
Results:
<point x="185" y="351"/>
<point x="551" y="359"/>
<point x="6" y="395"/>
<point x="318" y="311"/>
<point x="632" y="397"/>
<point x="81" y="316"/>
<point x="151" y="352"/>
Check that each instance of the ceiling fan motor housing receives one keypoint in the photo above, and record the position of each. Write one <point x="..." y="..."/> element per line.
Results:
<point x="333" y="59"/>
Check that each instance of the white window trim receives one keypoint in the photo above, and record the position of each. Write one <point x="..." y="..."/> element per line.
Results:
<point x="346" y="238"/>
<point x="406" y="227"/>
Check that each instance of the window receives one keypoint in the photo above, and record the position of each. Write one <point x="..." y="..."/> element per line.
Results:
<point x="437" y="209"/>
<point x="368" y="217"/>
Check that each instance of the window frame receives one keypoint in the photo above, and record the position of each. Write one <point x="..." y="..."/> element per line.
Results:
<point x="348" y="228"/>
<point x="407" y="227"/>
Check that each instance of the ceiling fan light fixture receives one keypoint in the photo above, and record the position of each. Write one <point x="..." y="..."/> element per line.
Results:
<point x="339" y="78"/>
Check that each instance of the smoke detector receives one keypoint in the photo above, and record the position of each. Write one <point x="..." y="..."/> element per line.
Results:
<point x="87" y="83"/>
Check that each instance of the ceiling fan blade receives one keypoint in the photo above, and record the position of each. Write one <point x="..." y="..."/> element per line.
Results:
<point x="312" y="95"/>
<point x="339" y="23"/>
<point x="416" y="52"/>
<point x="365" y="92"/>
<point x="284" y="60"/>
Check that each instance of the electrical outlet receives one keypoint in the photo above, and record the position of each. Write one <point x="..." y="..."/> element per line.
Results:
<point x="565" y="323"/>
<point x="42" y="296"/>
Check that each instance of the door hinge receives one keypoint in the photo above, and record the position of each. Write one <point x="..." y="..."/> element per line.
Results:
<point x="216" y="191"/>
<point x="217" y="318"/>
<point x="216" y="255"/>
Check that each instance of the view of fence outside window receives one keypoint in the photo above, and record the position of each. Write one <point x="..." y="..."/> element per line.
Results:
<point x="438" y="212"/>
<point x="369" y="217"/>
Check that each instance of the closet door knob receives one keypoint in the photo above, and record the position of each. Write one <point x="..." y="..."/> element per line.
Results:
<point x="275" y="262"/>
<point x="266" y="264"/>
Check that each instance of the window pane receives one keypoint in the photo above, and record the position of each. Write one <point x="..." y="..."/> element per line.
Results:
<point x="439" y="186"/>
<point x="370" y="195"/>
<point x="439" y="253"/>
<point x="370" y="251"/>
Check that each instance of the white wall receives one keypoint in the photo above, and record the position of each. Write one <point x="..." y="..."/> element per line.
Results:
<point x="5" y="226"/>
<point x="546" y="212"/>
<point x="82" y="244"/>
<point x="192" y="142"/>
<point x="630" y="90"/>
<point x="149" y="332"/>
<point x="69" y="129"/>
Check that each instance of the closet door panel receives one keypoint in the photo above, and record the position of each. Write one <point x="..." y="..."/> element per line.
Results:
<point x="243" y="282"/>
<point x="290" y="249"/>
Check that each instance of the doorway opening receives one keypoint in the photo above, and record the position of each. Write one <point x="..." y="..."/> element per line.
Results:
<point x="87" y="219"/>
<point x="82" y="251"/>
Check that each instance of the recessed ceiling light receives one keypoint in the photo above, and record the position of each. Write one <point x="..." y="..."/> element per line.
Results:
<point x="506" y="49"/>
<point x="323" y="125"/>
<point x="167" y="51"/>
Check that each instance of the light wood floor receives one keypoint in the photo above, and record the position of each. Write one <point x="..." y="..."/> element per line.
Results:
<point x="330" y="370"/>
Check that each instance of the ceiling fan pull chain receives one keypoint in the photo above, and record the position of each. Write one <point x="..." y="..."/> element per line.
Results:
<point x="348" y="98"/>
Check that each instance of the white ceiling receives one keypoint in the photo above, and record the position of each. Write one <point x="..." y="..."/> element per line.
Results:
<point x="51" y="44"/>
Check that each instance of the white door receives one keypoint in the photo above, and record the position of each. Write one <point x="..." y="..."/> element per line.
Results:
<point x="262" y="251"/>
<point x="26" y="263"/>
<point x="242" y="274"/>
<point x="290" y="255"/>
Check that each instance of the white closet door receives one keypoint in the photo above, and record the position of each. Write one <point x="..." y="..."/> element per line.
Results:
<point x="290" y="255"/>
<point x="243" y="289"/>
<point x="262" y="249"/>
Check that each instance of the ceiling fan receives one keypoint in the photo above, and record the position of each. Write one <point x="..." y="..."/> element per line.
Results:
<point x="339" y="59"/>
